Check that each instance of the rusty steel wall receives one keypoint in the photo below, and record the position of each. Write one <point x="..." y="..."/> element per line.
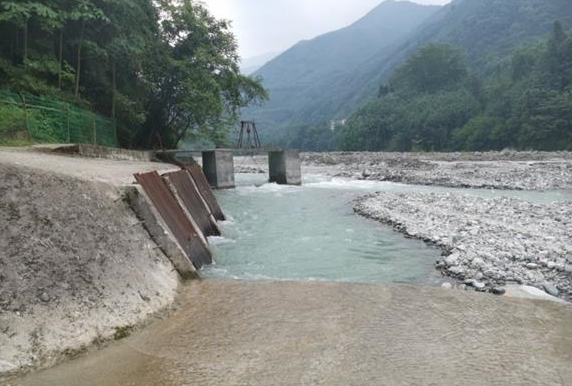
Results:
<point x="173" y="215"/>
<point x="206" y="191"/>
<point x="186" y="189"/>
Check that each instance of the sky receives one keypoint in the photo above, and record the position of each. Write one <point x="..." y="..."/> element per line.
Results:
<point x="264" y="26"/>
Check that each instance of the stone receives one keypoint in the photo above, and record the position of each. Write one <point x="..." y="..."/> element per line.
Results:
<point x="550" y="289"/>
<point x="447" y="285"/>
<point x="498" y="290"/>
<point x="452" y="259"/>
<point x="479" y="285"/>
<point x="45" y="297"/>
<point x="532" y="266"/>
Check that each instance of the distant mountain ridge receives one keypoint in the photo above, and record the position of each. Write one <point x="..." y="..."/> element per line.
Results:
<point x="299" y="76"/>
<point x="486" y="30"/>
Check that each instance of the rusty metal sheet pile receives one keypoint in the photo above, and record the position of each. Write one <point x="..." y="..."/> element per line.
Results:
<point x="187" y="190"/>
<point x="173" y="215"/>
<point x="205" y="190"/>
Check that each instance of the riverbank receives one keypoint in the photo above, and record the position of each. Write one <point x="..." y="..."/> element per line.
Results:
<point x="487" y="243"/>
<point x="77" y="268"/>
<point x="505" y="170"/>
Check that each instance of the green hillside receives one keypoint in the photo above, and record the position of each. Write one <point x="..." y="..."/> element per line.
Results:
<point x="319" y="70"/>
<point x="435" y="103"/>
<point x="486" y="31"/>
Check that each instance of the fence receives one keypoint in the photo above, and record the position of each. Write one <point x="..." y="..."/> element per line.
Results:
<point x="41" y="120"/>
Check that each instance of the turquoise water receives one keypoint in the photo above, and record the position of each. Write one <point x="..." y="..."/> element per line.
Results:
<point x="311" y="233"/>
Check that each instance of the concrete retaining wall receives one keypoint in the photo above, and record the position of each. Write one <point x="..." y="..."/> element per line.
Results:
<point x="114" y="153"/>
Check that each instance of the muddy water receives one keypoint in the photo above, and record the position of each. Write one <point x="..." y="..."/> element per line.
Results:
<point x="260" y="333"/>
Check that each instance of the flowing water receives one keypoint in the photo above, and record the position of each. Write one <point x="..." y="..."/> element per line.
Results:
<point x="311" y="233"/>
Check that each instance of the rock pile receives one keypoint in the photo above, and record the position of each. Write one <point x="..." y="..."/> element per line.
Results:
<point x="487" y="243"/>
<point x="498" y="170"/>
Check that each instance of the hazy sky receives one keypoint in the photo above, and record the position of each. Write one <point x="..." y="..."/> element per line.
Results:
<point x="263" y="26"/>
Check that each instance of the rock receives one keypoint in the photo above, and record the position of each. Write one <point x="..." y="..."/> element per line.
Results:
<point x="45" y="297"/>
<point x="447" y="285"/>
<point x="478" y="285"/>
<point x="498" y="291"/>
<point x="550" y="265"/>
<point x="550" y="289"/>
<point x="477" y="262"/>
<point x="532" y="266"/>
<point x="452" y="259"/>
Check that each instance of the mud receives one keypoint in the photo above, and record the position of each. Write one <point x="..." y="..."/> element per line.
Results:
<point x="245" y="333"/>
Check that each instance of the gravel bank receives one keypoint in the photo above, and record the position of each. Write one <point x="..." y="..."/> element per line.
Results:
<point x="498" y="170"/>
<point x="76" y="266"/>
<point x="487" y="243"/>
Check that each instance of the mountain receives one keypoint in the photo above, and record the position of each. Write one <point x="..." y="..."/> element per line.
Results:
<point x="487" y="31"/>
<point x="303" y="75"/>
<point x="252" y="64"/>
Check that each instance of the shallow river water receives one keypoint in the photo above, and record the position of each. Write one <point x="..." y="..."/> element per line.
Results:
<point x="311" y="233"/>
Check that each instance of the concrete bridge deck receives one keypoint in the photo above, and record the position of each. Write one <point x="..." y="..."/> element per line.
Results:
<point x="265" y="333"/>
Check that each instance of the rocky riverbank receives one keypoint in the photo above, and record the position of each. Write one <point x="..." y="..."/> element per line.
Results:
<point x="498" y="170"/>
<point x="487" y="243"/>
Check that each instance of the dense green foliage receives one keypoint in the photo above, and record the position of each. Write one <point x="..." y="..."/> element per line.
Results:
<point x="486" y="31"/>
<point x="165" y="70"/>
<point x="434" y="103"/>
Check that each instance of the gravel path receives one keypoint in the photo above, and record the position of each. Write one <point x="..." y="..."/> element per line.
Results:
<point x="488" y="243"/>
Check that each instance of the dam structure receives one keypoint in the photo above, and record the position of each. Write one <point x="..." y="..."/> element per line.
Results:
<point x="285" y="166"/>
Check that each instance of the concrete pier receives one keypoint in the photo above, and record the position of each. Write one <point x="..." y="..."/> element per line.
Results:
<point x="285" y="167"/>
<point x="218" y="166"/>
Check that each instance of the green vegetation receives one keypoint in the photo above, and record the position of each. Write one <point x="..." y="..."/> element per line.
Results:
<point x="28" y="119"/>
<point x="486" y="31"/>
<point x="164" y="70"/>
<point x="434" y="103"/>
<point x="311" y="82"/>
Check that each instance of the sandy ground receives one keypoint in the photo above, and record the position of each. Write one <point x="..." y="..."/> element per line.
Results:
<point x="76" y="266"/>
<point x="253" y="333"/>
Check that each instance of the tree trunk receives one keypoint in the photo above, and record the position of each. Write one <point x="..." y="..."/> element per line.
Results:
<point x="78" y="66"/>
<point x="61" y="58"/>
<point x="114" y="85"/>
<point x="25" y="42"/>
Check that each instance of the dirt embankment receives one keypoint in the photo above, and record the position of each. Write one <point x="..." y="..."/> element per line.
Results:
<point x="76" y="266"/>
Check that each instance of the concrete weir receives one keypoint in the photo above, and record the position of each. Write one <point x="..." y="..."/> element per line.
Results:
<point x="218" y="166"/>
<point x="285" y="167"/>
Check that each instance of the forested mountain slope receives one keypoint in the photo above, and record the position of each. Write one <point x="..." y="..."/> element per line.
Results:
<point x="486" y="31"/>
<point x="320" y="69"/>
